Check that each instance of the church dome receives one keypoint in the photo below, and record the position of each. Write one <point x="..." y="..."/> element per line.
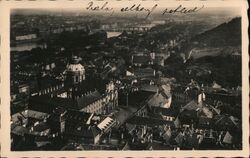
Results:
<point x="75" y="71"/>
<point x="75" y="67"/>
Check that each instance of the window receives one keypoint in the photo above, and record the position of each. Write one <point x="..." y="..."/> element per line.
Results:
<point x="77" y="79"/>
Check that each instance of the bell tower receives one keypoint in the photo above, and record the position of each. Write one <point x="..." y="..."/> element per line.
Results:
<point x="75" y="71"/>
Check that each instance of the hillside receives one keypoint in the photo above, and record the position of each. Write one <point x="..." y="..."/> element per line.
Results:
<point x="226" y="34"/>
<point x="212" y="51"/>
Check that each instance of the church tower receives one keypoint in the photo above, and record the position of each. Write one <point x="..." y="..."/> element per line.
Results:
<point x="75" y="72"/>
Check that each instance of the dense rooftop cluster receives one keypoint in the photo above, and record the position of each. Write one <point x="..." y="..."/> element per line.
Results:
<point x="74" y="87"/>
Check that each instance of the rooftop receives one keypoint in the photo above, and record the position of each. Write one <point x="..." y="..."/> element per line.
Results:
<point x="151" y="122"/>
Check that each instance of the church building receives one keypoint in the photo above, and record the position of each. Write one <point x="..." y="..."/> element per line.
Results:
<point x="78" y="93"/>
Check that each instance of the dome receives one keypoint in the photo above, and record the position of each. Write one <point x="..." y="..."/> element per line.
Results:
<point x="75" y="67"/>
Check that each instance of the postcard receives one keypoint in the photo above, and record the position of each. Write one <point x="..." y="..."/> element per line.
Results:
<point x="124" y="78"/>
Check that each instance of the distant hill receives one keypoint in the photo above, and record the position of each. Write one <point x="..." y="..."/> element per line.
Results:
<point x="226" y="34"/>
<point x="214" y="49"/>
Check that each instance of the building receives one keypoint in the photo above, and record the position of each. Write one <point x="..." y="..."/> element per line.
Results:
<point x="75" y="71"/>
<point x="77" y="93"/>
<point x="141" y="60"/>
<point x="82" y="127"/>
<point x="162" y="96"/>
<point x="144" y="72"/>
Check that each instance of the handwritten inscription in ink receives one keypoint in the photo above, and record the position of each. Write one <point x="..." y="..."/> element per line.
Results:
<point x="139" y="8"/>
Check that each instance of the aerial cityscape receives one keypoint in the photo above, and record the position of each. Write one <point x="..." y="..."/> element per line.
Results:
<point x="94" y="82"/>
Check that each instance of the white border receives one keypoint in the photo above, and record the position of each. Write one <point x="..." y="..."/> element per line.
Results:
<point x="5" y="7"/>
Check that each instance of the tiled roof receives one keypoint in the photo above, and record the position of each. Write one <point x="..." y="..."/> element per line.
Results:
<point x="88" y="99"/>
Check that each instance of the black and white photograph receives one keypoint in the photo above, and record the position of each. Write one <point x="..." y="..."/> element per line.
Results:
<point x="127" y="78"/>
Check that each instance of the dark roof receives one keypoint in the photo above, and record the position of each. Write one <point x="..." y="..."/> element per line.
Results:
<point x="67" y="103"/>
<point x="124" y="114"/>
<point x="144" y="70"/>
<point x="46" y="104"/>
<point x="192" y="105"/>
<point x="158" y="146"/>
<point x="224" y="122"/>
<point x="205" y="122"/>
<point x="76" y="116"/>
<point x="73" y="146"/>
<point x="47" y="82"/>
<point x="141" y="59"/>
<point x="179" y="89"/>
<point x="89" y="85"/>
<point x="190" y="142"/>
<point x="137" y="98"/>
<point x="179" y="138"/>
<point x="88" y="99"/>
<point x="41" y="127"/>
<point x="149" y="88"/>
<point x="149" y="121"/>
<point x="82" y="130"/>
<point x="165" y="111"/>
<point x="158" y="59"/>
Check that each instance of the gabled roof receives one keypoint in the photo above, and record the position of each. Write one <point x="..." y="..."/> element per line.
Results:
<point x="228" y="138"/>
<point x="167" y="134"/>
<point x="224" y="122"/>
<point x="179" y="138"/>
<point x="159" y="99"/>
<point x="207" y="112"/>
<point x="192" y="105"/>
<point x="177" y="123"/>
